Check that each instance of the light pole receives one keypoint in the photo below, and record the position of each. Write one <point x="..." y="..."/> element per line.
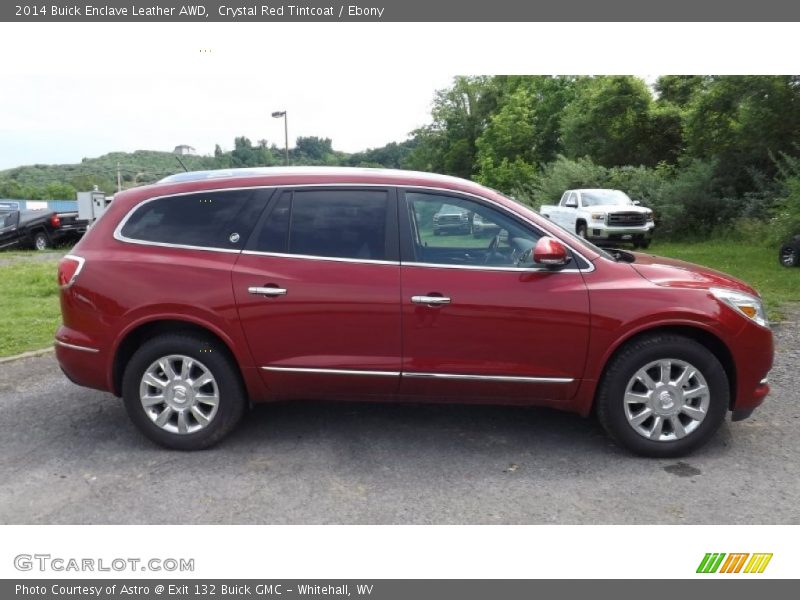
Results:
<point x="277" y="115"/>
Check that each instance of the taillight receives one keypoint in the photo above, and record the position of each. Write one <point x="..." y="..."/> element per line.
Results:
<point x="55" y="220"/>
<point x="69" y="268"/>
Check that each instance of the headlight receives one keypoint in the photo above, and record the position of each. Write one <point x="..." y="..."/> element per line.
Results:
<point x="748" y="305"/>
<point x="599" y="216"/>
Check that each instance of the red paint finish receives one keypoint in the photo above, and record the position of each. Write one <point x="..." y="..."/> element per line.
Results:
<point x="549" y="324"/>
<point x="499" y="323"/>
<point x="335" y="315"/>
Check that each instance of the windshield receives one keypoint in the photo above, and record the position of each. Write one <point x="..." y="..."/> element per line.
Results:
<point x="599" y="197"/>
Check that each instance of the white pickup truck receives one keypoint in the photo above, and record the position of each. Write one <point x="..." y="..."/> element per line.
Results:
<point x="603" y="216"/>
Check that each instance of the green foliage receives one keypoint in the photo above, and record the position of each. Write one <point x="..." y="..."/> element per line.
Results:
<point x="460" y="113"/>
<point x="609" y="121"/>
<point x="391" y="156"/>
<point x="564" y="174"/>
<point x="785" y="221"/>
<point x="752" y="262"/>
<point x="29" y="304"/>
<point x="60" y="182"/>
<point x="678" y="90"/>
<point x="741" y="123"/>
<point x="524" y="131"/>
<point x="710" y="154"/>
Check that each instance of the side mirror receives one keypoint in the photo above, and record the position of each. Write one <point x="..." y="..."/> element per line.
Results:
<point x="571" y="204"/>
<point x="637" y="202"/>
<point x="550" y="252"/>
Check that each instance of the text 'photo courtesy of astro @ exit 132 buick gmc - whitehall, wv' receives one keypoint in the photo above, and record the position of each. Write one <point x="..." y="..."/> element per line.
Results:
<point x="207" y="291"/>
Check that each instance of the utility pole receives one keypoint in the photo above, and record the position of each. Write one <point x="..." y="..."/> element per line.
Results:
<point x="119" y="180"/>
<point x="277" y="115"/>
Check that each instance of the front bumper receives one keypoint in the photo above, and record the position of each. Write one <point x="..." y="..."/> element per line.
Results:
<point x="460" y="227"/>
<point x="623" y="234"/>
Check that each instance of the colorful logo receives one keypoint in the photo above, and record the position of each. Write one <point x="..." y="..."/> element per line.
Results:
<point x="734" y="563"/>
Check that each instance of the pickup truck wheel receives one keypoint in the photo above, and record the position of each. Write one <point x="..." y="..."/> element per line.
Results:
<point x="41" y="241"/>
<point x="581" y="230"/>
<point x="789" y="256"/>
<point x="663" y="396"/>
<point x="182" y="391"/>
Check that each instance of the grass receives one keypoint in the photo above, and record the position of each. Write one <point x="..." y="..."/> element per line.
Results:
<point x="28" y="304"/>
<point x="755" y="265"/>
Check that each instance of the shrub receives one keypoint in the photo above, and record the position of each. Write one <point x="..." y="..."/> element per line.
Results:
<point x="564" y="174"/>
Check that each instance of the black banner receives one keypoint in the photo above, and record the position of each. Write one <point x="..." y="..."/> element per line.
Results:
<point x="402" y="11"/>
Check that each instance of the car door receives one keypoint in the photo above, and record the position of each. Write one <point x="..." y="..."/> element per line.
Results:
<point x="8" y="229"/>
<point x="317" y="290"/>
<point x="477" y="325"/>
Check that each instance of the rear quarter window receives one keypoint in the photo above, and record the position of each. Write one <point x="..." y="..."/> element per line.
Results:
<point x="219" y="219"/>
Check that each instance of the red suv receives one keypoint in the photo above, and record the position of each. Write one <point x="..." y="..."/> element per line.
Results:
<point x="209" y="290"/>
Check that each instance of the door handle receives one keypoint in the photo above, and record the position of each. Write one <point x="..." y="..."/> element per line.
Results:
<point x="268" y="290"/>
<point x="430" y="300"/>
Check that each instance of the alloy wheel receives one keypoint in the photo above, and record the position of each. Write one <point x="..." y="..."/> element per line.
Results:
<point x="666" y="400"/>
<point x="179" y="394"/>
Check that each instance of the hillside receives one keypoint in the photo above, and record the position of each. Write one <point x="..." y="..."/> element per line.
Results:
<point x="136" y="168"/>
<point x="44" y="182"/>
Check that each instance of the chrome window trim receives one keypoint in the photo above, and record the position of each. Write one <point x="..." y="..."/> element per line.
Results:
<point x="490" y="268"/>
<point x="76" y="347"/>
<point x="119" y="237"/>
<point x="421" y="375"/>
<point x="332" y="371"/>
<point x="505" y="378"/>
<point x="368" y="261"/>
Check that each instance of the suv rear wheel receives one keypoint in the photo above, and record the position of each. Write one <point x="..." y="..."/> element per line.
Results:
<point x="663" y="396"/>
<point x="182" y="391"/>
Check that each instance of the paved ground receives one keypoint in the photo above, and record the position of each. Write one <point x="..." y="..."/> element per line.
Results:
<point x="69" y="455"/>
<point x="17" y="257"/>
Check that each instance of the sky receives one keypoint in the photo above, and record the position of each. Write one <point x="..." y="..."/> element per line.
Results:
<point x="69" y="91"/>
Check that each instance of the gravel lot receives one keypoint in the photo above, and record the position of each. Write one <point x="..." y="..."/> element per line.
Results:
<point x="70" y="455"/>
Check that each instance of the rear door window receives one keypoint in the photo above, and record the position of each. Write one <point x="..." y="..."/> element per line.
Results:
<point x="349" y="224"/>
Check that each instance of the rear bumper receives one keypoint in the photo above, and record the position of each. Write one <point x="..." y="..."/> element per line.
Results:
<point x="81" y="360"/>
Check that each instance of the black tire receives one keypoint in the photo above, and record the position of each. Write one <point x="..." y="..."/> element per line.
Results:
<point x="643" y="244"/>
<point x="610" y="402"/>
<point x="580" y="230"/>
<point x="41" y="241"/>
<point x="789" y="255"/>
<point x="215" y="358"/>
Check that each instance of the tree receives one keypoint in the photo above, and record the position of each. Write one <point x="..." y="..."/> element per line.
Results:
<point x="459" y="114"/>
<point x="243" y="153"/>
<point x="312" y="150"/>
<point x="525" y="130"/>
<point x="609" y="121"/>
<point x="679" y="90"/>
<point x="743" y="123"/>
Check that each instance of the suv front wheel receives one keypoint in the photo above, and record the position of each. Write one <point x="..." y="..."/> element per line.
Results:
<point x="663" y="396"/>
<point x="182" y="391"/>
